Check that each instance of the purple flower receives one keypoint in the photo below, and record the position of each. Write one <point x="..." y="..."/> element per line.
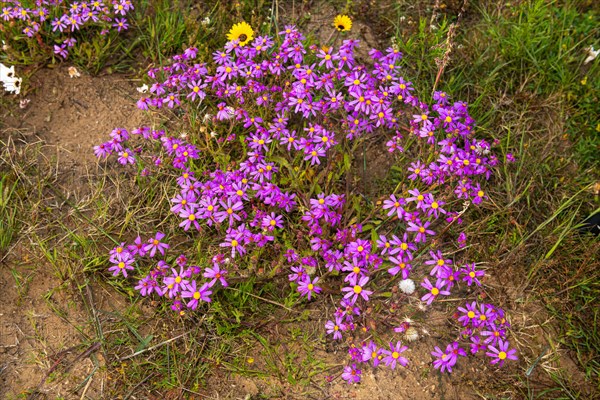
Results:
<point x="126" y="157"/>
<point x="444" y="360"/>
<point x="120" y="252"/>
<point x="307" y="288"/>
<point x="234" y="240"/>
<point x="439" y="263"/>
<point x="137" y="248"/>
<point x="122" y="265"/>
<point x="356" y="289"/>
<point x="215" y="273"/>
<point x="155" y="244"/>
<point x="335" y="328"/>
<point x="468" y="313"/>
<point x="421" y="231"/>
<point x="175" y="283"/>
<point x="501" y="353"/>
<point x="393" y="355"/>
<point x="434" y="291"/>
<point x="120" y="24"/>
<point x="190" y="217"/>
<point x="229" y="211"/>
<point x="462" y="240"/>
<point x="148" y="285"/>
<point x="492" y="334"/>
<point x="196" y="294"/>
<point x="470" y="275"/>
<point x="351" y="374"/>
<point x="371" y="352"/>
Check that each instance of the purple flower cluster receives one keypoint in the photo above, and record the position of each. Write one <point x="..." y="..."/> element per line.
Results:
<point x="369" y="353"/>
<point x="61" y="18"/>
<point x="182" y="285"/>
<point x="485" y="328"/>
<point x="291" y="106"/>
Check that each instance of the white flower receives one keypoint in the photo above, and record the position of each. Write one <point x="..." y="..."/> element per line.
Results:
<point x="205" y="21"/>
<point x="8" y="78"/>
<point x="407" y="286"/>
<point x="73" y="73"/>
<point x="23" y="103"/>
<point x="206" y="117"/>
<point x="143" y="88"/>
<point x="592" y="54"/>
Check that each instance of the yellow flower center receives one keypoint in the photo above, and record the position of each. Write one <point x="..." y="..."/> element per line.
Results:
<point x="357" y="289"/>
<point x="435" y="291"/>
<point x="502" y="355"/>
<point x="197" y="295"/>
<point x="234" y="243"/>
<point x="178" y="279"/>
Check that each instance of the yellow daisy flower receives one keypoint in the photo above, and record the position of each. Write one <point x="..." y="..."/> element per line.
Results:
<point x="242" y="32"/>
<point x="342" y="23"/>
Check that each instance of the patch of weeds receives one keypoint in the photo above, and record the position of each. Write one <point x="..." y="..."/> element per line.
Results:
<point x="9" y="208"/>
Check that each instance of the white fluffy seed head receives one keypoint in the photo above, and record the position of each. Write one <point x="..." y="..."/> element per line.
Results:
<point x="407" y="286"/>
<point x="411" y="334"/>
